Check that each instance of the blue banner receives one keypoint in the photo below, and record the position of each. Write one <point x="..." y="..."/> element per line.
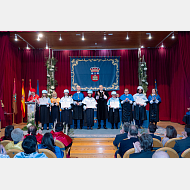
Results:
<point x="89" y="73"/>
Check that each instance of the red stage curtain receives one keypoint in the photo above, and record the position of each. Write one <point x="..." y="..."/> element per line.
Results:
<point x="128" y="68"/>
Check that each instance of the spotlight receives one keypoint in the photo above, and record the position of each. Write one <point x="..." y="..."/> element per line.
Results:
<point x="127" y="37"/>
<point x="27" y="47"/>
<point x="46" y="46"/>
<point x="142" y="46"/>
<point x="104" y="37"/>
<point x="38" y="38"/>
<point x="162" y="45"/>
<point x="16" y="38"/>
<point x="82" y="37"/>
<point x="149" y="36"/>
<point x="173" y="36"/>
<point x="60" y="37"/>
<point x="40" y="35"/>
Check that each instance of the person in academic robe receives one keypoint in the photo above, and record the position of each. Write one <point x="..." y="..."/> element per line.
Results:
<point x="78" y="107"/>
<point x="126" y="103"/>
<point x="140" y="107"/>
<point x="32" y="98"/>
<point x="55" y="110"/>
<point x="45" y="111"/>
<point x="66" y="113"/>
<point x="89" y="112"/>
<point x="101" y="97"/>
<point x="113" y="115"/>
<point x="154" y="101"/>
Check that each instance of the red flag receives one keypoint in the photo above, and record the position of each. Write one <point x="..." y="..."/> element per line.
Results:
<point x="30" y="88"/>
<point x="23" y="100"/>
<point x="14" y="105"/>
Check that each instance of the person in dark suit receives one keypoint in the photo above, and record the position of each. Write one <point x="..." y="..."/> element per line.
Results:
<point x="183" y="144"/>
<point x="143" y="147"/>
<point x="122" y="136"/>
<point x="151" y="130"/>
<point x="128" y="143"/>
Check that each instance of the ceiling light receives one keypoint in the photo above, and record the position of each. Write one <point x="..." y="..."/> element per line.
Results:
<point x="60" y="37"/>
<point x="173" y="36"/>
<point x="77" y="34"/>
<point x="16" y="38"/>
<point x="149" y="37"/>
<point x="104" y="37"/>
<point x="162" y="45"/>
<point x="38" y="38"/>
<point x="110" y="34"/>
<point x="40" y="35"/>
<point x="95" y="43"/>
<point x="46" y="46"/>
<point x="82" y="37"/>
<point x="27" y="47"/>
<point x="142" y="46"/>
<point x="127" y="37"/>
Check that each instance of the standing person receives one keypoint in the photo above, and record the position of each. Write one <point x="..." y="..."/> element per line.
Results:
<point x="113" y="116"/>
<point x="89" y="112"/>
<point x="154" y="101"/>
<point x="126" y="103"/>
<point x="78" y="107"/>
<point x="101" y="97"/>
<point x="45" y="111"/>
<point x="66" y="113"/>
<point x="32" y="98"/>
<point x="139" y="107"/>
<point x="55" y="113"/>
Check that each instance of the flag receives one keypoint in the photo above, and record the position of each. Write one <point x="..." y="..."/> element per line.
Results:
<point x="14" y="106"/>
<point x="29" y="88"/>
<point x="38" y="90"/>
<point x="156" y="87"/>
<point x="23" y="100"/>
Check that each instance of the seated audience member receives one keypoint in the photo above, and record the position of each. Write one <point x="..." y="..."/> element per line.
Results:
<point x="30" y="148"/>
<point x="160" y="154"/>
<point x="3" y="153"/>
<point x="8" y="131"/>
<point x="60" y="136"/>
<point x="17" y="136"/>
<point x="169" y="134"/>
<point x="151" y="130"/>
<point x="32" y="130"/>
<point x="128" y="143"/>
<point x="183" y="144"/>
<point x="143" y="147"/>
<point x="122" y="136"/>
<point x="48" y="143"/>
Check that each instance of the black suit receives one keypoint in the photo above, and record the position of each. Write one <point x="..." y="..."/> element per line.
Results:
<point x="119" y="138"/>
<point x="126" y="145"/>
<point x="182" y="145"/>
<point x="155" y="136"/>
<point x="142" y="154"/>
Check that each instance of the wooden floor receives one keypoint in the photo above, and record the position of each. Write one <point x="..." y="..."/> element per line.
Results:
<point x="99" y="147"/>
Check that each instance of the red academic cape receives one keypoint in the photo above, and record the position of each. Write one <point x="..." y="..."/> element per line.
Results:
<point x="60" y="136"/>
<point x="31" y="98"/>
<point x="38" y="137"/>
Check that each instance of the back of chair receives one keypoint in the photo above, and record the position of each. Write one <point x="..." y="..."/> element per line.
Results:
<point x="115" y="147"/>
<point x="186" y="153"/>
<point x="157" y="143"/>
<point x="127" y="153"/>
<point x="5" y="142"/>
<point x="61" y="146"/>
<point x="12" y="152"/>
<point x="171" y="142"/>
<point x="48" y="153"/>
<point x="171" y="152"/>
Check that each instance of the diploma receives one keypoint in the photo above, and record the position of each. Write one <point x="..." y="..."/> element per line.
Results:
<point x="140" y="101"/>
<point x="114" y="104"/>
<point x="65" y="104"/>
<point x="43" y="101"/>
<point x="91" y="104"/>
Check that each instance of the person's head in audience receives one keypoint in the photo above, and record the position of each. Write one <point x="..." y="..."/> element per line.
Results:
<point x="32" y="130"/>
<point x="48" y="141"/>
<point x="160" y="154"/>
<point x="8" y="131"/>
<point x="126" y="91"/>
<point x="126" y="126"/>
<point x="29" y="144"/>
<point x="17" y="135"/>
<point x="187" y="130"/>
<point x="59" y="127"/>
<point x="146" y="142"/>
<point x="171" y="132"/>
<point x="133" y="131"/>
<point x="152" y="128"/>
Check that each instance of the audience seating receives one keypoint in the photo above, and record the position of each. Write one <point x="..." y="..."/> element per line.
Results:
<point x="62" y="147"/>
<point x="171" y="142"/>
<point x="127" y="153"/>
<point x="48" y="153"/>
<point x="13" y="152"/>
<point x="171" y="152"/>
<point x="156" y="144"/>
<point x="5" y="142"/>
<point x="115" y="147"/>
<point x="186" y="153"/>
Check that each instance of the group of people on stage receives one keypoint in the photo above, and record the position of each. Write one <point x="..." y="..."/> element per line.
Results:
<point x="82" y="108"/>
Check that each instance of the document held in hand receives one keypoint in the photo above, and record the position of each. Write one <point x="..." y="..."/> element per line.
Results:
<point x="114" y="104"/>
<point x="65" y="104"/>
<point x="91" y="105"/>
<point x="43" y="101"/>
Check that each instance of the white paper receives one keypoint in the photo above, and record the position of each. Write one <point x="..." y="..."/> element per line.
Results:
<point x="43" y="101"/>
<point x="140" y="101"/>
<point x="114" y="104"/>
<point x="65" y="104"/>
<point x="91" y="104"/>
